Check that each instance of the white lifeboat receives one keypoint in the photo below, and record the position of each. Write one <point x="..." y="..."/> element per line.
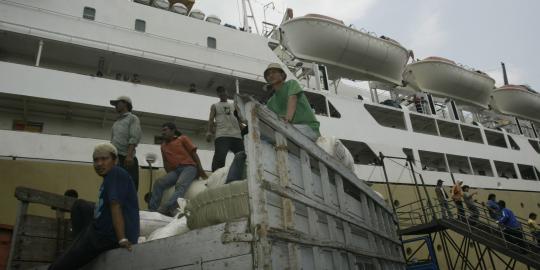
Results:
<point x="347" y="52"/>
<point x="163" y="4"/>
<point x="213" y="19"/>
<point x="179" y="8"/>
<point x="517" y="100"/>
<point x="197" y="14"/>
<point x="444" y="78"/>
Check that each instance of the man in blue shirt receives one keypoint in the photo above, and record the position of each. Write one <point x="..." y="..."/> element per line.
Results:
<point x="511" y="226"/>
<point x="116" y="217"/>
<point x="493" y="207"/>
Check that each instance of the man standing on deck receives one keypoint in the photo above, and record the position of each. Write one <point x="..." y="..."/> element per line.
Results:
<point x="125" y="136"/>
<point x="493" y="207"/>
<point x="182" y="164"/>
<point x="468" y="198"/>
<point x="116" y="216"/>
<point x="442" y="197"/>
<point x="224" y="125"/>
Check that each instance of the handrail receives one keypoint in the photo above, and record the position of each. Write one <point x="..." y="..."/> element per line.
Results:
<point x="415" y="216"/>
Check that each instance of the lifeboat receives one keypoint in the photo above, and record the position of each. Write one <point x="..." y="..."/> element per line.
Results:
<point x="346" y="52"/>
<point x="517" y="100"/>
<point x="444" y="78"/>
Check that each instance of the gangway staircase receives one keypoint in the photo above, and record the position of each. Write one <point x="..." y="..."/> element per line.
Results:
<point x="473" y="240"/>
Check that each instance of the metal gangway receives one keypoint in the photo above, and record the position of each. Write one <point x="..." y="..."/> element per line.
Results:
<point x="471" y="240"/>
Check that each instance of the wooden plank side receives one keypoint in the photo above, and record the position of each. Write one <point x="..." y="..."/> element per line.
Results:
<point x="35" y="249"/>
<point x="21" y="215"/>
<point x="191" y="248"/>
<point x="233" y="263"/>
<point x="46" y="198"/>
<point x="42" y="227"/>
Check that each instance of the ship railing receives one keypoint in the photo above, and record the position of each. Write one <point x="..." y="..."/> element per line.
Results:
<point x="416" y="213"/>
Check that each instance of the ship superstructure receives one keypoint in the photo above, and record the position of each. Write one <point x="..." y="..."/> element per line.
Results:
<point x="62" y="61"/>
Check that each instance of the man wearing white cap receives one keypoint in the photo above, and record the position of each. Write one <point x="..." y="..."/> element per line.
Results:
<point x="290" y="103"/>
<point x="126" y="134"/>
<point x="116" y="217"/>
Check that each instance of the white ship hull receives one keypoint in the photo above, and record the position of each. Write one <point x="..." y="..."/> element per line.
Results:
<point x="444" y="78"/>
<point x="517" y="101"/>
<point x="347" y="52"/>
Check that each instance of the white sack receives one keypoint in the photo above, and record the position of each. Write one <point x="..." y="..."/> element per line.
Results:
<point x="150" y="221"/>
<point x="195" y="188"/>
<point x="176" y="227"/>
<point x="335" y="148"/>
<point x="218" y="177"/>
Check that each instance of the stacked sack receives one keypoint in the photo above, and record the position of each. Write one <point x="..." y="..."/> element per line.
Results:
<point x="335" y="148"/>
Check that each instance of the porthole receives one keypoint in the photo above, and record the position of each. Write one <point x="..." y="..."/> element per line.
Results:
<point x="439" y="247"/>
<point x="396" y="203"/>
<point x="89" y="13"/>
<point x="140" y="25"/>
<point x="409" y="251"/>
<point x="211" y="43"/>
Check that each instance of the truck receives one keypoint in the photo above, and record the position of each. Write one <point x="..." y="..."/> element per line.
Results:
<point x="303" y="210"/>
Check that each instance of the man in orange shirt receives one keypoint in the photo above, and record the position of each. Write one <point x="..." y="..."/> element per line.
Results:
<point x="182" y="165"/>
<point x="457" y="197"/>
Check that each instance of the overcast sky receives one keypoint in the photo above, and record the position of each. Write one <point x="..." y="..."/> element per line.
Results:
<point x="477" y="33"/>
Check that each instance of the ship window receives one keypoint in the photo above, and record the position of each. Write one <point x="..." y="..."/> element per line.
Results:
<point x="535" y="145"/>
<point x="424" y="125"/>
<point x="527" y="172"/>
<point x="318" y="105"/>
<point x="387" y="117"/>
<point x="513" y="143"/>
<point x="495" y="138"/>
<point x="361" y="152"/>
<point x="432" y="161"/>
<point x="449" y="129"/>
<point x="211" y="42"/>
<point x="458" y="164"/>
<point x="471" y="134"/>
<point x="481" y="166"/>
<point x="89" y="13"/>
<point x="140" y="25"/>
<point x="505" y="169"/>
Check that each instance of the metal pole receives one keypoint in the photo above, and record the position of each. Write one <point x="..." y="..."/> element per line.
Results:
<point x="505" y="77"/>
<point x="430" y="205"/>
<point x="38" y="57"/>
<point x="244" y="8"/>
<point x="519" y="126"/>
<point x="418" y="191"/>
<point x="237" y="85"/>
<point x="534" y="130"/>
<point x="392" y="203"/>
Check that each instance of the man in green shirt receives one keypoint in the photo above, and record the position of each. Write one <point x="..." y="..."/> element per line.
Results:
<point x="290" y="103"/>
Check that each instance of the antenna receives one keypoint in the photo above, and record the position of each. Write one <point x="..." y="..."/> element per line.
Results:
<point x="505" y="77"/>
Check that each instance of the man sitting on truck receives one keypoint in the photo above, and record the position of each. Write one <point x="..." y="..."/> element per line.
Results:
<point x="182" y="164"/>
<point x="116" y="217"/>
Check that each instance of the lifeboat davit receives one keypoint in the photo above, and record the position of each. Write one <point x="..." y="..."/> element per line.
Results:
<point x="517" y="100"/>
<point x="346" y="52"/>
<point x="444" y="78"/>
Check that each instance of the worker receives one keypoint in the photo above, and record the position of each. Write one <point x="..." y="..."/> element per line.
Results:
<point x="82" y="213"/>
<point x="535" y="231"/>
<point x="511" y="226"/>
<point x="468" y="198"/>
<point x="125" y="136"/>
<point x="442" y="197"/>
<point x="457" y="197"/>
<point x="290" y="103"/>
<point x="116" y="217"/>
<point x="493" y="207"/>
<point x="182" y="165"/>
<point x="223" y="124"/>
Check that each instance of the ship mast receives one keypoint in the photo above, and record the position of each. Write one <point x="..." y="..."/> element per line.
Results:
<point x="247" y="16"/>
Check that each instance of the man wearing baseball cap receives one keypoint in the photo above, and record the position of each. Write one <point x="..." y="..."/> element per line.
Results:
<point x="116" y="217"/>
<point x="290" y="103"/>
<point x="125" y="136"/>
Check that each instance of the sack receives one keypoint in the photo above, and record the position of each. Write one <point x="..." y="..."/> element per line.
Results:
<point x="176" y="227"/>
<point x="335" y="148"/>
<point x="218" y="205"/>
<point x="150" y="221"/>
<point x="195" y="188"/>
<point x="218" y="177"/>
